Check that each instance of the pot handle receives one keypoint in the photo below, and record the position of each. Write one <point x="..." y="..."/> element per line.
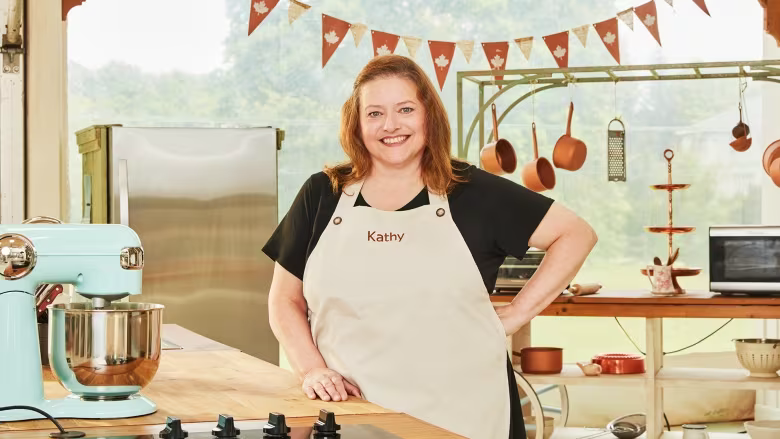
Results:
<point x="495" y="124"/>
<point x="536" y="148"/>
<point x="568" y="124"/>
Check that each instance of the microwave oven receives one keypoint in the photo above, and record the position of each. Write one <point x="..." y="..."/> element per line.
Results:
<point x="745" y="259"/>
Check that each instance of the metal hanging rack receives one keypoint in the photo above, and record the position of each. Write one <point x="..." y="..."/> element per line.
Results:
<point x="766" y="70"/>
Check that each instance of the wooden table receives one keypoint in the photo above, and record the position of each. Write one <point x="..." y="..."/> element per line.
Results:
<point x="640" y="303"/>
<point x="199" y="379"/>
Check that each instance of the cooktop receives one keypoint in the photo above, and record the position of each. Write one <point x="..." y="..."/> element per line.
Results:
<point x="325" y="427"/>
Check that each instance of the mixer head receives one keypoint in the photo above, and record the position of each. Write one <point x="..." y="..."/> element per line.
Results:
<point x="102" y="261"/>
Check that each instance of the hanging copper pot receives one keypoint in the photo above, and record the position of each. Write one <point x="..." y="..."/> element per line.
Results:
<point x="569" y="153"/>
<point x="740" y="132"/>
<point x="538" y="175"/>
<point x="771" y="162"/>
<point x="499" y="156"/>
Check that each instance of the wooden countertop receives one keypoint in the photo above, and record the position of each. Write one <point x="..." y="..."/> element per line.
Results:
<point x="199" y="379"/>
<point x="641" y="303"/>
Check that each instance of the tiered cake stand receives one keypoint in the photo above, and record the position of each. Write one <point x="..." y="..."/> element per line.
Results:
<point x="671" y="230"/>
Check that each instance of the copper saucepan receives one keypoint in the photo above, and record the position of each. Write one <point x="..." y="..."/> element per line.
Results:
<point x="538" y="175"/>
<point x="569" y="153"/>
<point x="771" y="161"/>
<point x="620" y="364"/>
<point x="499" y="156"/>
<point x="540" y="360"/>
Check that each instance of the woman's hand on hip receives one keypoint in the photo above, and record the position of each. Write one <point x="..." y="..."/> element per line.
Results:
<point x="328" y="385"/>
<point x="507" y="317"/>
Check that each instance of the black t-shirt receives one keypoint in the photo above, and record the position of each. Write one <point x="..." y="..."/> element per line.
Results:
<point x="495" y="216"/>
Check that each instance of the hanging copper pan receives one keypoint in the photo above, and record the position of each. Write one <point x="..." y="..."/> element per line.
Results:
<point x="569" y="153"/>
<point x="498" y="157"/>
<point x="538" y="175"/>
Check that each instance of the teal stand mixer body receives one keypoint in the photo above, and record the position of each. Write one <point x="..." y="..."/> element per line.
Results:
<point x="102" y="352"/>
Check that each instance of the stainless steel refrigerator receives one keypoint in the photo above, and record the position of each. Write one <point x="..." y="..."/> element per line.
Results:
<point x="203" y="201"/>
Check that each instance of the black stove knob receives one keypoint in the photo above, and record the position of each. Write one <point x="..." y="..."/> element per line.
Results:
<point x="173" y="429"/>
<point x="326" y="427"/>
<point x="225" y="427"/>
<point x="276" y="428"/>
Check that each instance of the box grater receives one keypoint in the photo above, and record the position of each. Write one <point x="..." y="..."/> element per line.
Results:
<point x="616" y="152"/>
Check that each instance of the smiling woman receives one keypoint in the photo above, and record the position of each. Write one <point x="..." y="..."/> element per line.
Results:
<point x="384" y="264"/>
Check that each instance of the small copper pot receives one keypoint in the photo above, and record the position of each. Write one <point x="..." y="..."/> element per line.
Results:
<point x="538" y="175"/>
<point x="569" y="153"/>
<point x="498" y="157"/>
<point x="540" y="360"/>
<point x="620" y="364"/>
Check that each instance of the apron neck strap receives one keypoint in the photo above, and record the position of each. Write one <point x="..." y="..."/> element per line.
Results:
<point x="349" y="196"/>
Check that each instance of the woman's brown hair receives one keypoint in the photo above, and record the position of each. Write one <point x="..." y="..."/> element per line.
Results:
<point x="438" y="173"/>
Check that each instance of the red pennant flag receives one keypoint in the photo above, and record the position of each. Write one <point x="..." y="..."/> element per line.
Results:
<point x="384" y="43"/>
<point x="608" y="33"/>
<point x="441" y="53"/>
<point x="649" y="17"/>
<point x="333" y="31"/>
<point x="703" y="6"/>
<point x="559" y="47"/>
<point x="497" y="54"/>
<point x="258" y="11"/>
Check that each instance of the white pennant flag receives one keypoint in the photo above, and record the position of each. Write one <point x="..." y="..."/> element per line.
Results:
<point x="671" y="2"/>
<point x="467" y="47"/>
<point x="296" y="10"/>
<point x="525" y="44"/>
<point x="358" y="29"/>
<point x="412" y="44"/>
<point x="582" y="33"/>
<point x="627" y="17"/>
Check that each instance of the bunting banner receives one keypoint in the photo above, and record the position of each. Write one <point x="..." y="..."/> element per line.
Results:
<point x="412" y="44"/>
<point x="296" y="9"/>
<point x="559" y="47"/>
<point x="384" y="43"/>
<point x="441" y="54"/>
<point x="582" y="33"/>
<point x="333" y="32"/>
<point x="358" y="30"/>
<point x="701" y="4"/>
<point x="467" y="48"/>
<point x="627" y="17"/>
<point x="649" y="17"/>
<point x="259" y="10"/>
<point x="496" y="54"/>
<point x="608" y="33"/>
<point x="525" y="44"/>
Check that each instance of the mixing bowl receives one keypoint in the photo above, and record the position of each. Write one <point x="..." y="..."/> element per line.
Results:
<point x="760" y="356"/>
<point x="763" y="429"/>
<point x="104" y="353"/>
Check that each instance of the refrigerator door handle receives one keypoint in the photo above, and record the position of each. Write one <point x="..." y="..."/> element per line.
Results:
<point x="124" y="204"/>
<point x="86" y="214"/>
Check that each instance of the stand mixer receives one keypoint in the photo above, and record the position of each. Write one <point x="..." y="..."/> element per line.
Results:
<point x="103" y="353"/>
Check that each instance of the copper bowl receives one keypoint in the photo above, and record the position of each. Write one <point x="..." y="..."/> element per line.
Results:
<point x="620" y="364"/>
<point x="540" y="360"/>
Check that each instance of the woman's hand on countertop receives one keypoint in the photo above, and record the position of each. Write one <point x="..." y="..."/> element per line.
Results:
<point x="328" y="385"/>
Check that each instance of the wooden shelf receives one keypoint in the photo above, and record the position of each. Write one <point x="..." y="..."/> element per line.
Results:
<point x="717" y="378"/>
<point x="572" y="375"/>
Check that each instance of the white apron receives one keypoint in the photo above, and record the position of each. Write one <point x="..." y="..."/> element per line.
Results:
<point x="398" y="306"/>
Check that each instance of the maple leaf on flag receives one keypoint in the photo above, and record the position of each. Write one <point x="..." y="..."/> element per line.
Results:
<point x="559" y="52"/>
<point x="260" y="8"/>
<point x="383" y="50"/>
<point x="331" y="37"/>
<point x="442" y="61"/>
<point x="497" y="61"/>
<point x="609" y="38"/>
<point x="649" y="20"/>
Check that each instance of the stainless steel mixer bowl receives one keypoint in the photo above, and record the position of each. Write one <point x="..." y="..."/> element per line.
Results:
<point x="112" y="351"/>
